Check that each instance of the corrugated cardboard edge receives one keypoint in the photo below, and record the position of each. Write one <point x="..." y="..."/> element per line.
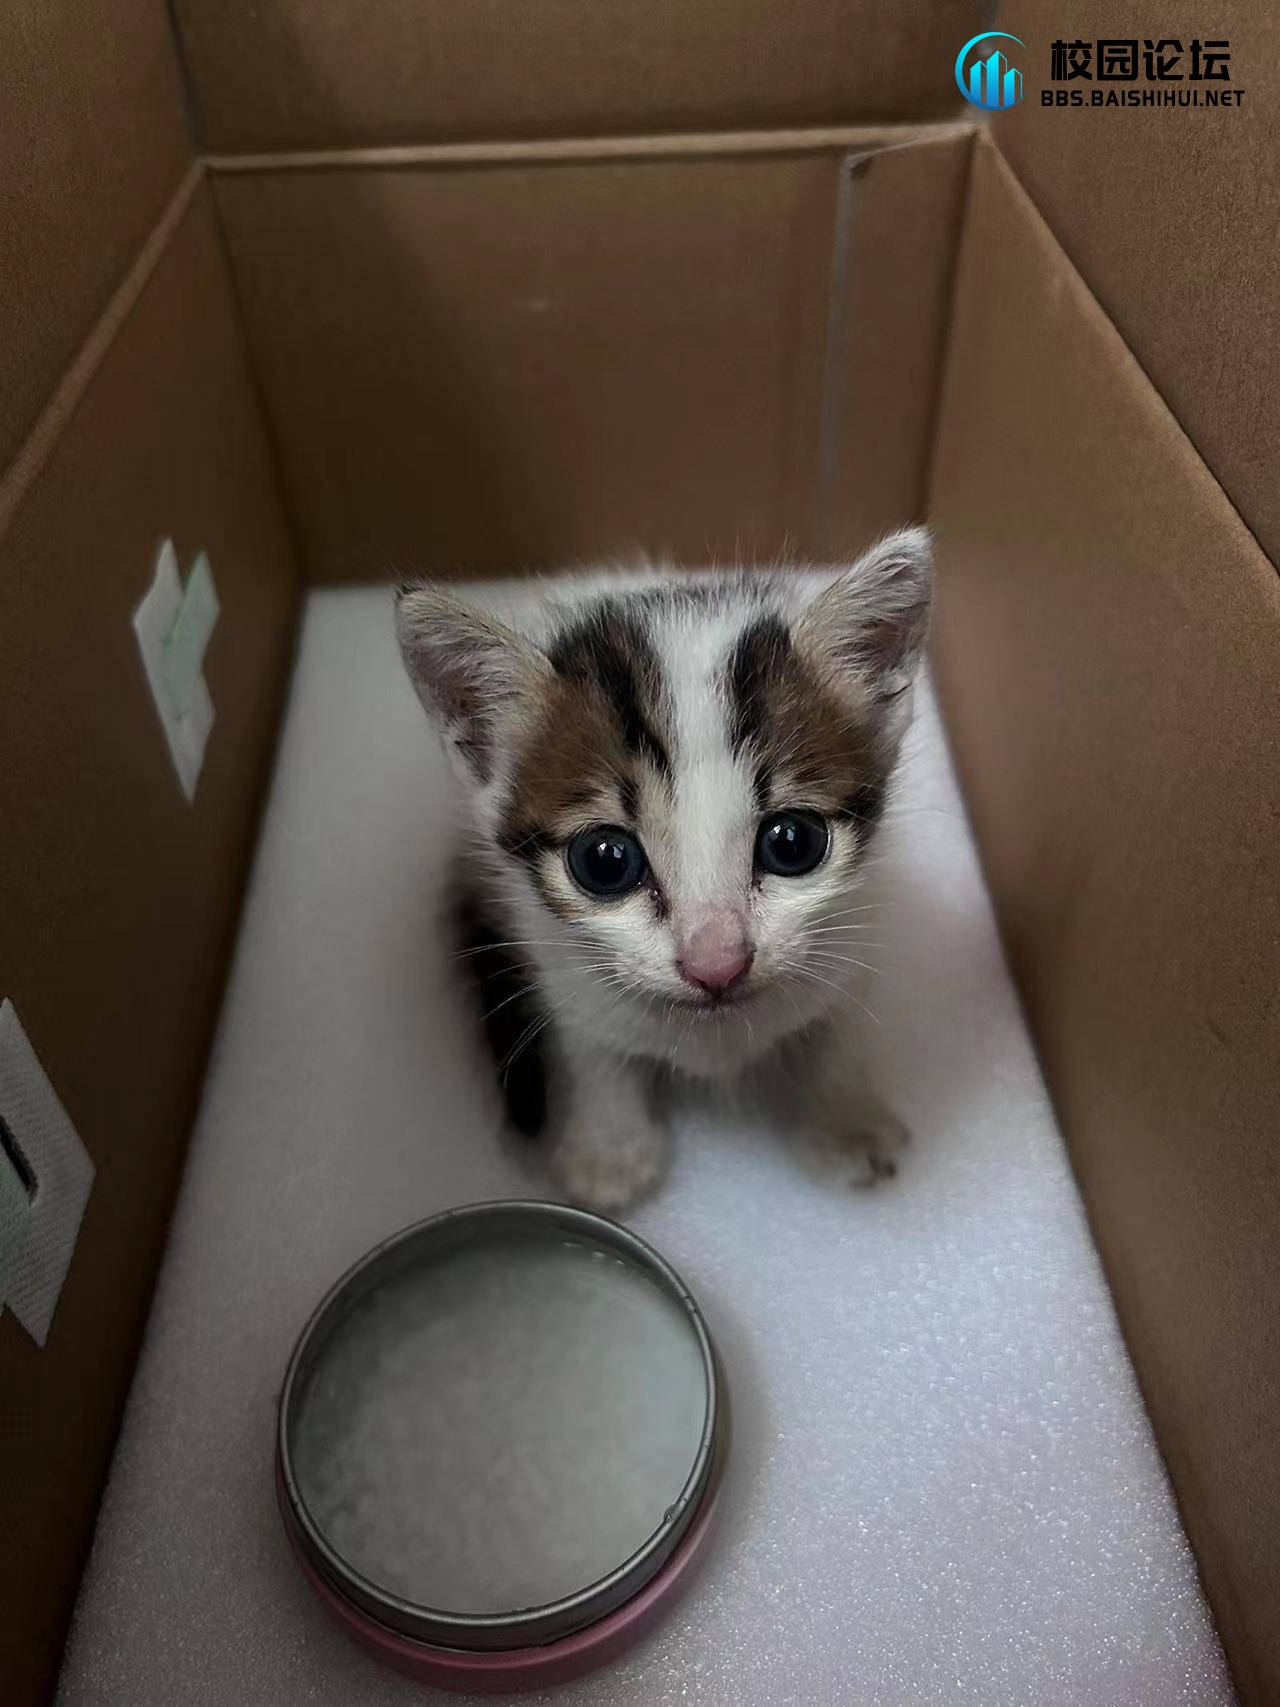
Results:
<point x="26" y="465"/>
<point x="899" y="211"/>
<point x="1107" y="653"/>
<point x="545" y="151"/>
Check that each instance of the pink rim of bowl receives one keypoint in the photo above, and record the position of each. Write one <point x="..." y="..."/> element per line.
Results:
<point x="504" y="1671"/>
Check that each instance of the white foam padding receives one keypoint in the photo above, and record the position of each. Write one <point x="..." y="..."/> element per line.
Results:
<point x="944" y="1487"/>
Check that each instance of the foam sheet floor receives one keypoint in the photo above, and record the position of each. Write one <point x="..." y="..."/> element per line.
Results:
<point x="944" y="1487"/>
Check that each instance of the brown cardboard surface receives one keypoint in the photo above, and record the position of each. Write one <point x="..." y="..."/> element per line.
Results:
<point x="897" y="226"/>
<point x="1108" y="651"/>
<point x="351" y="73"/>
<point x="17" y="479"/>
<point x="117" y="899"/>
<point x="479" y="370"/>
<point x="95" y="142"/>
<point x="1172" y="217"/>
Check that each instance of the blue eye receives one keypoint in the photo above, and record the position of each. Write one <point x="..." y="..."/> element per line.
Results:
<point x="606" y="861"/>
<point x="789" y="844"/>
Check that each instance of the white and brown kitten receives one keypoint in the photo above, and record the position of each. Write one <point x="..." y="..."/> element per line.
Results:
<point x="675" y="781"/>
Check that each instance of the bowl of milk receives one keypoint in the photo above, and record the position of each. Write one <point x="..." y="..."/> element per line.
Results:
<point x="500" y="1443"/>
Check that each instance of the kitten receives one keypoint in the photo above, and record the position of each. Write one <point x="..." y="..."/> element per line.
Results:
<point x="675" y="782"/>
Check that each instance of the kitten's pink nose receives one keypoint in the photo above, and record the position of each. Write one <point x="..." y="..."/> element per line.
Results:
<point x="715" y="955"/>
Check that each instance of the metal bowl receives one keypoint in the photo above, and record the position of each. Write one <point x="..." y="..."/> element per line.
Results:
<point x="422" y="1257"/>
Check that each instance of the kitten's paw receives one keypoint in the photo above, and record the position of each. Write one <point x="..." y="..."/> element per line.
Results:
<point x="861" y="1154"/>
<point x="613" y="1170"/>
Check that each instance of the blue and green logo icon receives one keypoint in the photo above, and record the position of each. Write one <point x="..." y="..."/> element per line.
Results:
<point x="984" y="74"/>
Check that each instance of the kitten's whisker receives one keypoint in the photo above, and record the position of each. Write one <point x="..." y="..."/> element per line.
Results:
<point x="801" y="1022"/>
<point x="838" y="952"/>
<point x="834" y="922"/>
<point x="524" y="990"/>
<point x="839" y="945"/>
<point x="863" y="907"/>
<point x="506" y="971"/>
<point x="848" y="995"/>
<point x="839" y="937"/>
<point x="527" y="942"/>
<point x="530" y="1031"/>
<point x="827" y="959"/>
<point x="489" y="947"/>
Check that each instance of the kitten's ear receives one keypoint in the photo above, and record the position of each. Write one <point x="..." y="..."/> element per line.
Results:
<point x="470" y="670"/>
<point x="874" y="619"/>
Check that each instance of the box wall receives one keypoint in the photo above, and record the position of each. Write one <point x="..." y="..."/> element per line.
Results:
<point x="1107" y="653"/>
<point x="1170" y="214"/>
<point x="720" y="349"/>
<point x="118" y="900"/>
<point x="290" y="74"/>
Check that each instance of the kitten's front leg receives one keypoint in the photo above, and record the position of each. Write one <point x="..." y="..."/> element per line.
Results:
<point x="611" y="1145"/>
<point x="849" y="1135"/>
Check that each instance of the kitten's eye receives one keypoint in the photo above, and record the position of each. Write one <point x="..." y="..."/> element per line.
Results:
<point x="791" y="843"/>
<point x="606" y="861"/>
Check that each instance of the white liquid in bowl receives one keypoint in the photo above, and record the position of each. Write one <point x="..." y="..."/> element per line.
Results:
<point x="502" y="1426"/>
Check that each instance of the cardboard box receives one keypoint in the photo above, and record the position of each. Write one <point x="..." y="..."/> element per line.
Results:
<point x="309" y="290"/>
